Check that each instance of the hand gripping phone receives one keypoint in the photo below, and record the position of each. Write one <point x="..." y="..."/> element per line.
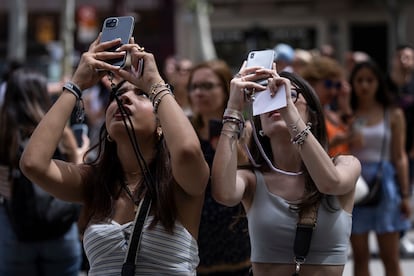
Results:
<point x="117" y="27"/>
<point x="263" y="58"/>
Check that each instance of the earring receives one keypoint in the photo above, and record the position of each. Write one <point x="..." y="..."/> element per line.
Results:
<point x="109" y="138"/>
<point x="261" y="133"/>
<point x="159" y="133"/>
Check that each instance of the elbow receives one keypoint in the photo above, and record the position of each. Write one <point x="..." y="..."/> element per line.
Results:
<point x="29" y="165"/>
<point x="222" y="197"/>
<point x="189" y="151"/>
<point x="330" y="187"/>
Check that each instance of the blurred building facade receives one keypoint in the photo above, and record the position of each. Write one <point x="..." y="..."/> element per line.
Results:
<point x="172" y="27"/>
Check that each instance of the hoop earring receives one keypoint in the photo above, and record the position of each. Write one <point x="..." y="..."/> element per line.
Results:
<point x="109" y="138"/>
<point x="261" y="133"/>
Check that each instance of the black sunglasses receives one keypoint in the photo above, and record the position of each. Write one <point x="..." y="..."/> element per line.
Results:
<point x="329" y="84"/>
<point x="203" y="86"/>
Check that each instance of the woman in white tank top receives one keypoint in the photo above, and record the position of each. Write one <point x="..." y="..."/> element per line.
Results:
<point x="379" y="145"/>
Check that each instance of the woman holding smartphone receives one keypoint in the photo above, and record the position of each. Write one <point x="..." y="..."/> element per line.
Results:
<point x="147" y="149"/>
<point x="298" y="181"/>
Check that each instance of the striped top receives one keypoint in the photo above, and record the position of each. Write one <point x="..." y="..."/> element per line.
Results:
<point x="160" y="253"/>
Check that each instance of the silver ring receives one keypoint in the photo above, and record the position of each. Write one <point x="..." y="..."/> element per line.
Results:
<point x="238" y="75"/>
<point x="246" y="91"/>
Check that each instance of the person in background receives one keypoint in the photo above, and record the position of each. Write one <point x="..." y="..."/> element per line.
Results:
<point x="177" y="73"/>
<point x="301" y="59"/>
<point x="400" y="81"/>
<point x="326" y="76"/>
<point x="25" y="103"/>
<point x="352" y="58"/>
<point x="295" y="176"/>
<point x="284" y="56"/>
<point x="224" y="244"/>
<point x="382" y="126"/>
<point x="147" y="148"/>
<point x="10" y="67"/>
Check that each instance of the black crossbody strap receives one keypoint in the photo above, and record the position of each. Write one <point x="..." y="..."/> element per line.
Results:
<point x="304" y="230"/>
<point x="128" y="268"/>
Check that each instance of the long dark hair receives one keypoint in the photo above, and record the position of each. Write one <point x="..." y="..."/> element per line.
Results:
<point x="105" y="182"/>
<point x="382" y="95"/>
<point x="318" y="129"/>
<point x="26" y="101"/>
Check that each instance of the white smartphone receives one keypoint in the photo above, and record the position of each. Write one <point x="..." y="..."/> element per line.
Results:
<point x="263" y="58"/>
<point x="117" y="27"/>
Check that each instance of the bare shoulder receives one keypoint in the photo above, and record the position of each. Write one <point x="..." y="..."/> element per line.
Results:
<point x="396" y="115"/>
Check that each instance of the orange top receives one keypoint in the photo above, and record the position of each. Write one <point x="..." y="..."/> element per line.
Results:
<point x="332" y="131"/>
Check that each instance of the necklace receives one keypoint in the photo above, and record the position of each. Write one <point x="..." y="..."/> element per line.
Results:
<point x="130" y="195"/>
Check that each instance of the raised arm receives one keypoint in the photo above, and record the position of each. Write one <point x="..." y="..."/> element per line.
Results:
<point x="229" y="185"/>
<point x="60" y="178"/>
<point x="334" y="178"/>
<point x="189" y="167"/>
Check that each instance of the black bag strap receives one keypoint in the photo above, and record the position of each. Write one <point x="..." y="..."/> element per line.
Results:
<point x="128" y="268"/>
<point x="304" y="229"/>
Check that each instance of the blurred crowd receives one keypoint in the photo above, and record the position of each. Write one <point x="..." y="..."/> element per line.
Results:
<point x="357" y="96"/>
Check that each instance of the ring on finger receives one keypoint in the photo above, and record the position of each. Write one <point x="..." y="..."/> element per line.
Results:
<point x="238" y="75"/>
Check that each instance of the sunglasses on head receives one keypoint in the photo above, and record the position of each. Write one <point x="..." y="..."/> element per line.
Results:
<point x="329" y="84"/>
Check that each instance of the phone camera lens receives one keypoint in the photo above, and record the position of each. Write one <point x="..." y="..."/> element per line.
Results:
<point x="252" y="55"/>
<point x="111" y="23"/>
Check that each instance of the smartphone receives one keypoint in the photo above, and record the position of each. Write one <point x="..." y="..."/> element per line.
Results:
<point x="263" y="58"/>
<point x="79" y="130"/>
<point x="117" y="27"/>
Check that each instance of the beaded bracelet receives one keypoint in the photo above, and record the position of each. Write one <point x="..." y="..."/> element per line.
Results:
<point x="237" y="122"/>
<point x="157" y="102"/>
<point x="153" y="90"/>
<point x="229" y="112"/>
<point x="300" y="138"/>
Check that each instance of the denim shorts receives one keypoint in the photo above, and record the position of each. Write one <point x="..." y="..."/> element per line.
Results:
<point x="386" y="217"/>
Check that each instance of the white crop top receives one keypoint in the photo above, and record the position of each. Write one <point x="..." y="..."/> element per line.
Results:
<point x="373" y="141"/>
<point x="160" y="252"/>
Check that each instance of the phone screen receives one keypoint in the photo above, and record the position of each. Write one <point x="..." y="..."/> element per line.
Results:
<point x="263" y="58"/>
<point x="117" y="27"/>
